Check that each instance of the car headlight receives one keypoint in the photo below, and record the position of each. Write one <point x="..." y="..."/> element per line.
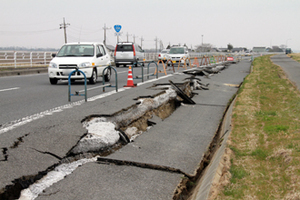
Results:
<point x="84" y="65"/>
<point x="52" y="65"/>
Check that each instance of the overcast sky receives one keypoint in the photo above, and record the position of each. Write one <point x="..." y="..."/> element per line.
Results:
<point x="242" y="23"/>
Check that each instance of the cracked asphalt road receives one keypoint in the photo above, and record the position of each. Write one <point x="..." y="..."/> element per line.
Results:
<point x="179" y="142"/>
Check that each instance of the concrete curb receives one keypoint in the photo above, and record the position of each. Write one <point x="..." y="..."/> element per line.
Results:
<point x="214" y="170"/>
<point x="18" y="72"/>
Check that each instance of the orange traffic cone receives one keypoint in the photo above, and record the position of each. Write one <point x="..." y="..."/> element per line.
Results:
<point x="196" y="62"/>
<point x="130" y="79"/>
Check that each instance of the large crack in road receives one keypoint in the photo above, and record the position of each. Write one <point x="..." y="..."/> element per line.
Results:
<point x="105" y="134"/>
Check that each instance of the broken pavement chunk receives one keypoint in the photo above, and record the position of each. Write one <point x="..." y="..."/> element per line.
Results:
<point x="182" y="94"/>
<point x="100" y="134"/>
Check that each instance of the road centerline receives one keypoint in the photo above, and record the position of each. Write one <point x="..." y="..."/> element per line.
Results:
<point x="9" y="89"/>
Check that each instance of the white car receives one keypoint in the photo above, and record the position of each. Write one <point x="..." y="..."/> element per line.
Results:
<point x="90" y="58"/>
<point x="163" y="55"/>
<point x="177" y="54"/>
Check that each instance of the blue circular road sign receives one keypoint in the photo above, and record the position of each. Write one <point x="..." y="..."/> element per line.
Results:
<point x="117" y="28"/>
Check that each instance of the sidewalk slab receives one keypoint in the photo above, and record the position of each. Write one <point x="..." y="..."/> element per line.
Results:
<point x="98" y="181"/>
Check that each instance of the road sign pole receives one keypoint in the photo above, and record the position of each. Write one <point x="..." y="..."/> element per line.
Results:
<point x="117" y="29"/>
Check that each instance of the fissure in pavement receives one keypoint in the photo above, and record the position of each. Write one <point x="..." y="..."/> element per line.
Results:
<point x="137" y="117"/>
<point x="128" y="124"/>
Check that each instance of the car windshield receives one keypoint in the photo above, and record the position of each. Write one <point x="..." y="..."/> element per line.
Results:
<point x="77" y="50"/>
<point x="176" y="51"/>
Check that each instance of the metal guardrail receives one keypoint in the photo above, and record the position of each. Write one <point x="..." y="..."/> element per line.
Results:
<point x="69" y="84"/>
<point x="24" y="58"/>
<point x="36" y="58"/>
<point x="79" y="93"/>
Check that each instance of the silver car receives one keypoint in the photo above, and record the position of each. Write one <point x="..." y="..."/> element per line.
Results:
<point x="163" y="55"/>
<point x="128" y="53"/>
<point x="177" y="54"/>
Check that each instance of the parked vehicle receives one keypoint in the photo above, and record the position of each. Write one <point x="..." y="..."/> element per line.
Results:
<point x="91" y="58"/>
<point x="128" y="53"/>
<point x="288" y="50"/>
<point x="177" y="54"/>
<point x="163" y="55"/>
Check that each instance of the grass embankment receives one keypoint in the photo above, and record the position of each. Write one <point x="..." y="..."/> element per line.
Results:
<point x="265" y="139"/>
<point x="295" y="56"/>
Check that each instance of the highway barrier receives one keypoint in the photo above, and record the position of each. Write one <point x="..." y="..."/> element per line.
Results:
<point x="170" y="61"/>
<point x="69" y="83"/>
<point x="148" y="74"/>
<point x="24" y="58"/>
<point x="159" y="71"/>
<point x="196" y="62"/>
<point x="205" y="61"/>
<point x="79" y="93"/>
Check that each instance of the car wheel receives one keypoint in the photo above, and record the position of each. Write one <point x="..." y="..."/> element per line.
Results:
<point x="117" y="65"/>
<point x="93" y="78"/>
<point x="107" y="76"/>
<point x="53" y="81"/>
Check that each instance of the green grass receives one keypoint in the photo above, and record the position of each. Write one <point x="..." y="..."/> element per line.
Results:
<point x="265" y="137"/>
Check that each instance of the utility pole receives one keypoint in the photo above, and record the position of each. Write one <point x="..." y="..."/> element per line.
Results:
<point x="105" y="28"/>
<point x="134" y="38"/>
<point x="142" y="39"/>
<point x="64" y="26"/>
<point x="161" y="45"/>
<point x="127" y="37"/>
<point x="156" y="44"/>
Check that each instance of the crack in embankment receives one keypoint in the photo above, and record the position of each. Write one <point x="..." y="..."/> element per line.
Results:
<point x="142" y="165"/>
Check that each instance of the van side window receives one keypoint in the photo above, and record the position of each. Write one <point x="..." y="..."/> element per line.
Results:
<point x="97" y="50"/>
<point x="101" y="50"/>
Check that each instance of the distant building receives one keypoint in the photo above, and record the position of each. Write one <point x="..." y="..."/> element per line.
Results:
<point x="259" y="49"/>
<point x="223" y="49"/>
<point x="204" y="48"/>
<point x="238" y="49"/>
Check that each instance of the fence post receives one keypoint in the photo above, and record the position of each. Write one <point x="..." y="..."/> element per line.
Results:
<point x="45" y="55"/>
<point x="15" y="59"/>
<point x="30" y="59"/>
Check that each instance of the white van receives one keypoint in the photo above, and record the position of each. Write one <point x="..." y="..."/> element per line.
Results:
<point x="91" y="58"/>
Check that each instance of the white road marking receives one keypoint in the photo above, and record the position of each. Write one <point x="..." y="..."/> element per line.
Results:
<point x="8" y="89"/>
<point x="14" y="124"/>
